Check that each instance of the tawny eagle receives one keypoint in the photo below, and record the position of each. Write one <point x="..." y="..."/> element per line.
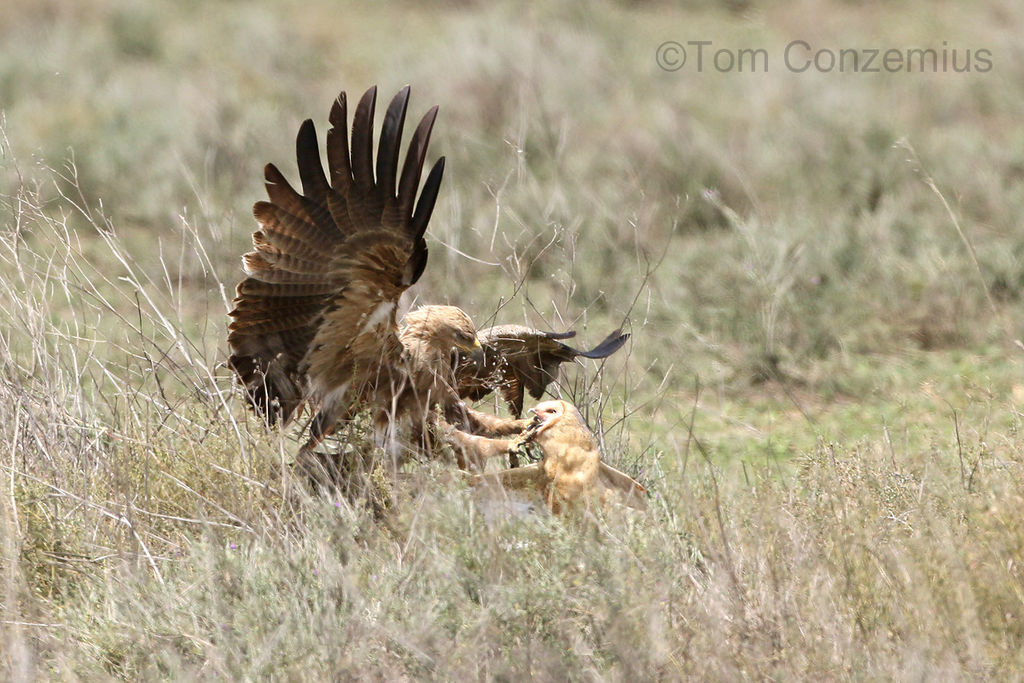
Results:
<point x="315" y="320"/>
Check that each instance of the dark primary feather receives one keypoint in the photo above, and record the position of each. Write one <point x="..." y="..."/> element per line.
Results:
<point x="519" y="359"/>
<point x="325" y="259"/>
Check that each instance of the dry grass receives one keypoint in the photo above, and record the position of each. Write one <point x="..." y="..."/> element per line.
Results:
<point x="821" y="391"/>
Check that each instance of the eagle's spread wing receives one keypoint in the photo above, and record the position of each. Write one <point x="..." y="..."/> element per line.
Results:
<point x="315" y="318"/>
<point x="518" y="359"/>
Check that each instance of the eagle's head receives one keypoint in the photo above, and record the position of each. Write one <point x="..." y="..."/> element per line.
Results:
<point x="444" y="330"/>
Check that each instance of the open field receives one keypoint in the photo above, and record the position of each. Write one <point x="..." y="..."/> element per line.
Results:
<point x="822" y="273"/>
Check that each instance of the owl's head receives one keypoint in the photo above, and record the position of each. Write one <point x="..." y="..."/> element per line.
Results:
<point x="547" y="414"/>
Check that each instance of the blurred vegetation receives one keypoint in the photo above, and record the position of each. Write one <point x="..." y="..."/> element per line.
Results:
<point x="822" y="273"/>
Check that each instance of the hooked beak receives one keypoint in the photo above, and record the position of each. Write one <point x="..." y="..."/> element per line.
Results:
<point x="536" y="422"/>
<point x="476" y="353"/>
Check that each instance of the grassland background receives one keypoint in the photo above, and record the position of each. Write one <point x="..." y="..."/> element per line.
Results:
<point x="822" y="391"/>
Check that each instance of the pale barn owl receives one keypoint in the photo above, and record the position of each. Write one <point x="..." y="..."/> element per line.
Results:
<point x="570" y="472"/>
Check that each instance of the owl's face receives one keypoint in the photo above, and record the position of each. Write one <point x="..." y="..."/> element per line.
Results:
<point x="546" y="414"/>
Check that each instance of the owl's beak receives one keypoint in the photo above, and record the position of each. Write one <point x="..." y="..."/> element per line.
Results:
<point x="536" y="422"/>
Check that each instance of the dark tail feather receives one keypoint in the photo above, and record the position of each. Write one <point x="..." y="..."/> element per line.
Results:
<point x="612" y="343"/>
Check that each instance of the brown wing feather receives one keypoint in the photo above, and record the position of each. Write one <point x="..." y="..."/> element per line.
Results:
<point x="316" y="312"/>
<point x="520" y="359"/>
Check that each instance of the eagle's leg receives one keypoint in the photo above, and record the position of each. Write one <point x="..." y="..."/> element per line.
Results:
<point x="487" y="428"/>
<point x="484" y="424"/>
<point x="423" y="433"/>
<point x="471" y="451"/>
<point x="323" y="425"/>
<point x="324" y="468"/>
